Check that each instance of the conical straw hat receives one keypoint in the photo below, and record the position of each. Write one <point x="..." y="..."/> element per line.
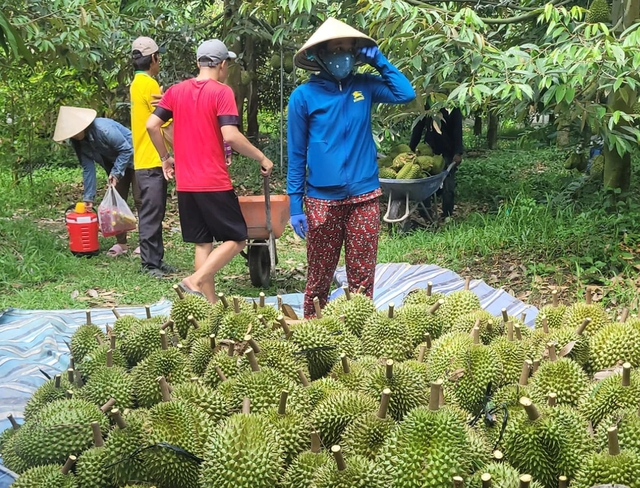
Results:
<point x="71" y="121"/>
<point x="330" y="29"/>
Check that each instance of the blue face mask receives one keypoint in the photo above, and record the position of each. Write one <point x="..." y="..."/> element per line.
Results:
<point x="339" y="64"/>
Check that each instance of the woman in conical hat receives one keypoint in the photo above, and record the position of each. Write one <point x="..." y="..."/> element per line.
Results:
<point x="107" y="143"/>
<point x="332" y="176"/>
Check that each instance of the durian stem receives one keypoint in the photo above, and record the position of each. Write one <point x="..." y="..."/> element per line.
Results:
<point x="282" y="407"/>
<point x="434" y="398"/>
<point x="253" y="362"/>
<point x="107" y="329"/>
<point x="303" y="378"/>
<point x="361" y="290"/>
<point x="261" y="296"/>
<point x="212" y="341"/>
<point x="346" y="369"/>
<point x="552" y="399"/>
<point x="110" y="358"/>
<point x="14" y="424"/>
<point x="57" y="380"/>
<point x="563" y="482"/>
<point x="72" y="362"/>
<point x="99" y="339"/>
<point x="164" y="389"/>
<point x="163" y="340"/>
<point x="626" y="374"/>
<point x="255" y="305"/>
<point x="263" y="320"/>
<point x="316" y="445"/>
<point x="147" y="311"/>
<point x="337" y="454"/>
<point x="70" y="375"/>
<point x="117" y="417"/>
<point x="581" y="328"/>
<point x="421" y="352"/>
<point x="612" y="441"/>
<point x="545" y="324"/>
<point x="179" y="291"/>
<point x="475" y="333"/>
<point x="115" y="312"/>
<point x="167" y="324"/>
<point x="285" y="327"/>
<point x="588" y="296"/>
<point x="316" y="307"/>
<point x="523" y="316"/>
<point x="535" y="365"/>
<point x="525" y="481"/>
<point x="624" y="315"/>
<point x="252" y="343"/>
<point x="497" y="455"/>
<point x="68" y="465"/>
<point x="467" y="283"/>
<point x="88" y="314"/>
<point x="429" y="288"/>
<point x="489" y="325"/>
<point x="98" y="441"/>
<point x="68" y="394"/>
<point x="524" y="374"/>
<point x="551" y="347"/>
<point x="231" y="349"/>
<point x="246" y="405"/>
<point x="458" y="482"/>
<point x="516" y="329"/>
<point x="236" y="305"/>
<point x="530" y="408"/>
<point x="390" y="311"/>
<point x="384" y="403"/>
<point x="223" y="300"/>
<point x="193" y="321"/>
<point x="347" y="293"/>
<point x="389" y="369"/>
<point x="436" y="306"/>
<point x="112" y="341"/>
<point x="554" y="298"/>
<point x="108" y="406"/>
<point x="220" y="373"/>
<point x="509" y="331"/>
<point x="79" y="382"/>
<point x="505" y="315"/>
<point x="279" y="300"/>
<point x="486" y="480"/>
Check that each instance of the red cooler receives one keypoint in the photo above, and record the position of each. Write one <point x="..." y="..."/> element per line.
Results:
<point x="82" y="225"/>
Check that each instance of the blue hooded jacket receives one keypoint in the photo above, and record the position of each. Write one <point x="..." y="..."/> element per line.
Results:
<point x="329" y="133"/>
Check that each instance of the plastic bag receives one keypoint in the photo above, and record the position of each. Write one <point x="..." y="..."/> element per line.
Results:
<point x="114" y="214"/>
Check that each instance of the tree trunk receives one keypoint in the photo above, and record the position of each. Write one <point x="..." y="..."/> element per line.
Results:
<point x="253" y="129"/>
<point x="477" y="124"/>
<point x="492" y="131"/>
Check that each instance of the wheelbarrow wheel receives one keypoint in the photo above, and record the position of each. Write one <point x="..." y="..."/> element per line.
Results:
<point x="259" y="265"/>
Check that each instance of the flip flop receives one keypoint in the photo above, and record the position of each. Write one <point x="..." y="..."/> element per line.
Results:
<point x="188" y="290"/>
<point x="136" y="252"/>
<point x="116" y="250"/>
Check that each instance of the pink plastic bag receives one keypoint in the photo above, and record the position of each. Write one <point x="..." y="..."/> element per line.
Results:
<point x="114" y="214"/>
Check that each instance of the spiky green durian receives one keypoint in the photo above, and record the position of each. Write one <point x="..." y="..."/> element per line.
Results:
<point x="579" y="344"/>
<point x="292" y="429"/>
<point x="455" y="305"/>
<point x="554" y="315"/>
<point x="244" y="451"/>
<point x="320" y="389"/>
<point x="91" y="469"/>
<point x="599" y="11"/>
<point x="359" y="472"/>
<point x="424" y="149"/>
<point x="106" y="383"/>
<point x="45" y="394"/>
<point x="318" y="345"/>
<point x="193" y="305"/>
<point x="576" y="314"/>
<point x="503" y="475"/>
<point x="97" y="359"/>
<point x="409" y="171"/>
<point x="8" y="452"/>
<point x="399" y="149"/>
<point x="170" y="363"/>
<point x="387" y="173"/>
<point x="356" y="308"/>
<point x="201" y="354"/>
<point x="511" y="355"/>
<point x="444" y="351"/>
<point x="563" y="377"/>
<point x="610" y="395"/>
<point x="422" y="296"/>
<point x="303" y="467"/>
<point x="386" y="335"/>
<point x="481" y="448"/>
<point x="171" y="425"/>
<point x="123" y="324"/>
<point x="280" y="355"/>
<point x="334" y="414"/>
<point x="142" y="339"/>
<point x="614" y="343"/>
<point x="490" y="327"/>
<point x="122" y="449"/>
<point x="227" y="364"/>
<point x="209" y="401"/>
<point x="60" y="429"/>
<point x="357" y="373"/>
<point x="420" y="321"/>
<point x="235" y="326"/>
<point x="84" y="340"/>
<point x="49" y="476"/>
<point x="628" y="425"/>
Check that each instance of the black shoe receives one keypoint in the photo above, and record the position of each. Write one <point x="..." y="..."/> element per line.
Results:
<point x="153" y="272"/>
<point x="167" y="268"/>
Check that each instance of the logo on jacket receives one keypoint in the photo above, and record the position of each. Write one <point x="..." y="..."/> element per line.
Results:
<point x="357" y="96"/>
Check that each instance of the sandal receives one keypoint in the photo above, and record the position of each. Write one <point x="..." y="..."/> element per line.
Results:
<point x="136" y="252"/>
<point x="189" y="291"/>
<point x="116" y="250"/>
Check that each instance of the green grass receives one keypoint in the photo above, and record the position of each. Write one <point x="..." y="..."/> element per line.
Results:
<point x="522" y="222"/>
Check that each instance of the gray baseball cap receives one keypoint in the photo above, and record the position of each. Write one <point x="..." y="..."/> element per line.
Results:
<point x="213" y="51"/>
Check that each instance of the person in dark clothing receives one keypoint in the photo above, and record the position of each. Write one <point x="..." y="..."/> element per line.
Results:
<point x="448" y="143"/>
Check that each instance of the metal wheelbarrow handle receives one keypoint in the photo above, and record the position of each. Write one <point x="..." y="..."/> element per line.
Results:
<point x="406" y="214"/>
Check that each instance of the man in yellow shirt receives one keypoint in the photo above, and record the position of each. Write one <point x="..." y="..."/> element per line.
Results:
<point x="145" y="55"/>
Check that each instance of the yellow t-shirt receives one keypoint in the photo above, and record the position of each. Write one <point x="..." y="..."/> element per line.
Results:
<point x="145" y="155"/>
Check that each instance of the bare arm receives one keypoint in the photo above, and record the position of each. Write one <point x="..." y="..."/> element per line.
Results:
<point x="154" y="125"/>
<point x="241" y="144"/>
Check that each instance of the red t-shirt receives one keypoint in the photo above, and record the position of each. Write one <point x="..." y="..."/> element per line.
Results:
<point x="197" y="140"/>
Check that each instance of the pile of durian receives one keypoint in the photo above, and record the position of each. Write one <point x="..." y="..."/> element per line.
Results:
<point x="403" y="164"/>
<point x="436" y="393"/>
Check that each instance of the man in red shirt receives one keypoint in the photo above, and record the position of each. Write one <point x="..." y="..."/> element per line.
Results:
<point x="204" y="115"/>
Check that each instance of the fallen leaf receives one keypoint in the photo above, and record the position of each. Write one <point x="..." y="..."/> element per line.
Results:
<point x="75" y="294"/>
<point x="567" y="349"/>
<point x="92" y="293"/>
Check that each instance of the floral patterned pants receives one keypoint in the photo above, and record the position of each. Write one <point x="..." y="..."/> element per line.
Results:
<point x="330" y="225"/>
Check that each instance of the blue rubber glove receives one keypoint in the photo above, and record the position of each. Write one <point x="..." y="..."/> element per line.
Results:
<point x="299" y="224"/>
<point x="370" y="55"/>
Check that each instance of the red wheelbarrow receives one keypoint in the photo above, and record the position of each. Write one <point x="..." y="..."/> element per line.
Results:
<point x="266" y="217"/>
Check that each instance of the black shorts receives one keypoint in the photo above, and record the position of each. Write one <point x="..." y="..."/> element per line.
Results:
<point x="205" y="216"/>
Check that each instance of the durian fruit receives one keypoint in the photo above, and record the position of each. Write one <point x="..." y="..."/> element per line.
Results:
<point x="346" y="341"/>
<point x="356" y="309"/>
<point x="502" y="475"/>
<point x="106" y="383"/>
<point x="10" y="458"/>
<point x="628" y="424"/>
<point x="424" y="149"/>
<point x="402" y="160"/>
<point x="122" y="447"/>
<point x="409" y="172"/>
<point x="287" y="63"/>
<point x="209" y="401"/>
<point x="599" y="12"/>
<point x="554" y="313"/>
<point x="244" y="452"/>
<point x="428" y="448"/>
<point x="303" y="467"/>
<point x="292" y="428"/>
<point x="422" y="296"/>
<point x="85" y="339"/>
<point x="354" y="374"/>
<point x="407" y="385"/>
<point x="318" y="345"/>
<point x="619" y="391"/>
<point x="189" y="305"/>
<point x="399" y="149"/>
<point x="221" y="363"/>
<point x="456" y="304"/>
<point x="282" y="356"/>
<point x="546" y="442"/>
<point x="511" y="354"/>
<point x="322" y="388"/>
<point x="386" y="335"/>
<point x="141" y="340"/>
<point x="354" y="471"/>
<point x="169" y="363"/>
<point x="576" y="314"/>
<point x="490" y="328"/>
<point x="91" y="469"/>
<point x="49" y="391"/>
<point x="334" y="414"/>
<point x="563" y="377"/>
<point x="572" y="344"/>
<point x="425" y="163"/>
<point x="438" y="164"/>
<point x="235" y="326"/>
<point x="385" y="162"/>
<point x="387" y="174"/>
<point x="201" y="353"/>
<point x="48" y="476"/>
<point x="61" y="428"/>
<point x="275" y="61"/>
<point x="98" y="358"/>
<point x="619" y="467"/>
<point x="123" y="324"/>
<point x="614" y="343"/>
<point x="481" y="448"/>
<point x="367" y="433"/>
<point x="421" y="320"/>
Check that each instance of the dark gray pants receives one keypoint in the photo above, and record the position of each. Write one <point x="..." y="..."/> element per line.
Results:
<point x="446" y="193"/>
<point x="153" y="193"/>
